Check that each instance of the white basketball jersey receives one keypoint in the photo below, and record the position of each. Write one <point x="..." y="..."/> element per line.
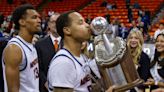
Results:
<point x="29" y="70"/>
<point x="82" y="83"/>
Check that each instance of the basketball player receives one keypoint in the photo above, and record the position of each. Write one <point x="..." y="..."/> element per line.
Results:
<point x="20" y="62"/>
<point x="69" y="70"/>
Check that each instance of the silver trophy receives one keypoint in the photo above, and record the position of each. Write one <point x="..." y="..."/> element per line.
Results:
<point x="113" y="58"/>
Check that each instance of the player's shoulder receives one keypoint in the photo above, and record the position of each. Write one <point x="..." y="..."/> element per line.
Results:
<point x="62" y="58"/>
<point x="12" y="48"/>
<point x="12" y="53"/>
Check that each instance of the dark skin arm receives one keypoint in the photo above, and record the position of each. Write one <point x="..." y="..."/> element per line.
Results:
<point x="151" y="81"/>
<point x="110" y="89"/>
<point x="12" y="59"/>
<point x="158" y="90"/>
<point x="59" y="89"/>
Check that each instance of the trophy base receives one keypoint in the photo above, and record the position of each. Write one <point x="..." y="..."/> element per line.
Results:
<point x="128" y="86"/>
<point x="122" y="74"/>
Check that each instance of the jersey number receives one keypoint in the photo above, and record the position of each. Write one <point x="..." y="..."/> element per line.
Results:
<point x="36" y="72"/>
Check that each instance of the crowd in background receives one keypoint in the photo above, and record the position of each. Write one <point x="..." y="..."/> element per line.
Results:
<point x="142" y="22"/>
<point x="135" y="36"/>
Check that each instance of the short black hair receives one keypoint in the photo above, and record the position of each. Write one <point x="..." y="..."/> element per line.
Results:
<point x="19" y="12"/>
<point x="63" y="21"/>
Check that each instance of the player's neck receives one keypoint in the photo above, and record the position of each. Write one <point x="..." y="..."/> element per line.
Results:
<point x="73" y="47"/>
<point x="25" y="35"/>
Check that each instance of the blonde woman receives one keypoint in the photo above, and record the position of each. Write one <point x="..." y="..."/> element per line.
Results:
<point x="140" y="59"/>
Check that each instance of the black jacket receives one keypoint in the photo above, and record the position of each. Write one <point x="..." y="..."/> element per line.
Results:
<point x="46" y="51"/>
<point x="143" y="69"/>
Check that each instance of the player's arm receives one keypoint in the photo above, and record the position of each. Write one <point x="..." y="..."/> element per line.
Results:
<point x="12" y="59"/>
<point x="158" y="90"/>
<point x="161" y="84"/>
<point x="58" y="89"/>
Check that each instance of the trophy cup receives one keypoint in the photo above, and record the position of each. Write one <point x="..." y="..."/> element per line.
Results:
<point x="113" y="58"/>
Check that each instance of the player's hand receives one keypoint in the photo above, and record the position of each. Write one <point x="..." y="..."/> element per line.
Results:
<point x="110" y="89"/>
<point x="158" y="90"/>
<point x="46" y="85"/>
<point x="150" y="81"/>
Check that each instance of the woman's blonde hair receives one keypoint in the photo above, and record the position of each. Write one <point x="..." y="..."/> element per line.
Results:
<point x="135" y="52"/>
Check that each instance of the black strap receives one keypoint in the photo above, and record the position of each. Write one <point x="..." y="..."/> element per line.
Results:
<point x="92" y="73"/>
<point x="23" y="43"/>
<point x="64" y="56"/>
<point x="73" y="57"/>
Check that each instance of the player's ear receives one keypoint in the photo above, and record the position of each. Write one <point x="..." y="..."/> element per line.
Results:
<point x="22" y="22"/>
<point x="67" y="30"/>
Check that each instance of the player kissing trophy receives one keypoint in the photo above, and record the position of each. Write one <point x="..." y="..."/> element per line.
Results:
<point x="113" y="58"/>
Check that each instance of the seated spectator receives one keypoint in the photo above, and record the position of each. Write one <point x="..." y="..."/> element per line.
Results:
<point x="140" y="25"/>
<point x="123" y="31"/>
<point x="148" y="13"/>
<point x="109" y="6"/>
<point x="130" y="14"/>
<point x="134" y="26"/>
<point x="1" y="34"/>
<point x="140" y="11"/>
<point x="139" y="22"/>
<point x="107" y="15"/>
<point x="114" y="6"/>
<point x="127" y="3"/>
<point x="113" y="26"/>
<point x="157" y="65"/>
<point x="160" y="30"/>
<point x="1" y="18"/>
<point x="136" y="5"/>
<point x="146" y="21"/>
<point x="104" y="3"/>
